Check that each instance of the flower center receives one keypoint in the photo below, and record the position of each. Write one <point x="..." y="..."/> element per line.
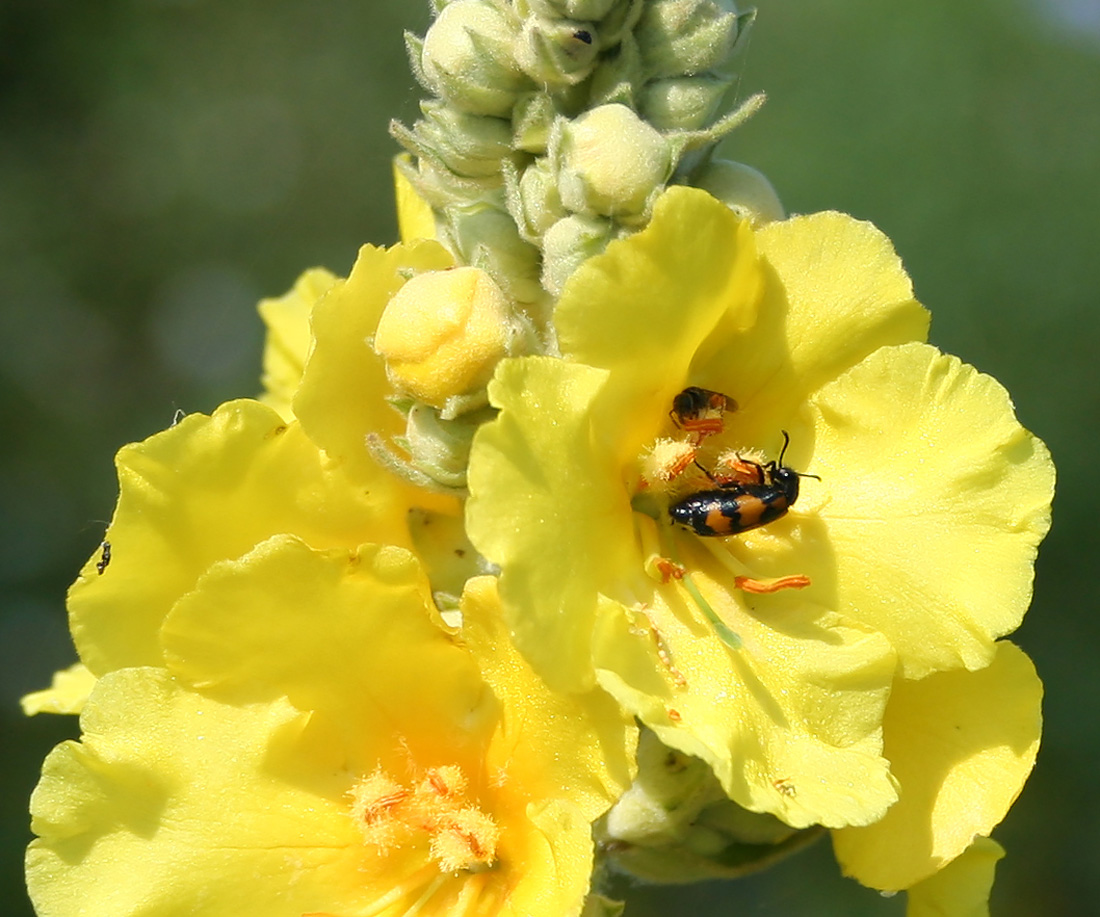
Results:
<point x="435" y="810"/>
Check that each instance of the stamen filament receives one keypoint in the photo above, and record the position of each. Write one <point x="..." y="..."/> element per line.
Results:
<point x="418" y="905"/>
<point x="726" y="635"/>
<point x="395" y="894"/>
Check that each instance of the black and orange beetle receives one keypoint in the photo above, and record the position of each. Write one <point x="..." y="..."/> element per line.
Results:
<point x="740" y="506"/>
<point x="699" y="410"/>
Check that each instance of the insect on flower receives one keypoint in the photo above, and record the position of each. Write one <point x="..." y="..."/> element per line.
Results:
<point x="699" y="411"/>
<point x="738" y="506"/>
<point x="104" y="557"/>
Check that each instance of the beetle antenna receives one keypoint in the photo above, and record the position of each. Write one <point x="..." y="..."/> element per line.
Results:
<point x="786" y="443"/>
<point x="783" y="451"/>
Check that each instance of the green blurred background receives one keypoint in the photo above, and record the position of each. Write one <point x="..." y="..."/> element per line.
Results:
<point x="166" y="163"/>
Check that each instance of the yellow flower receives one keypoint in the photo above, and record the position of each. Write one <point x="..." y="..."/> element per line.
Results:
<point x="210" y="489"/>
<point x="321" y="744"/>
<point x="918" y="540"/>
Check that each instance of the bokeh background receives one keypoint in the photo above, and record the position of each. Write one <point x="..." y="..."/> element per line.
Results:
<point x="166" y="163"/>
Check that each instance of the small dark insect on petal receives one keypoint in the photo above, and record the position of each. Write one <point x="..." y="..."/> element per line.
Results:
<point x="104" y="557"/>
<point x="583" y="35"/>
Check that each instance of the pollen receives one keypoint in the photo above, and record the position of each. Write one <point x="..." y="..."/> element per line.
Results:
<point x="666" y="461"/>
<point x="739" y="468"/>
<point x="376" y="805"/>
<point x="465" y="839"/>
<point x="435" y="813"/>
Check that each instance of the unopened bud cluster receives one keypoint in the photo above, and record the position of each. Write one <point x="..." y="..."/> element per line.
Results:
<point x="556" y="123"/>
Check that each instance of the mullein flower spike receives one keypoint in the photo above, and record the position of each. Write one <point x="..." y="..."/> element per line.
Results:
<point x="379" y="641"/>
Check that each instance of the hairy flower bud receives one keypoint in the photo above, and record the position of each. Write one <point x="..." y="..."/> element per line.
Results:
<point x="682" y="103"/>
<point x="686" y="36"/>
<point x="612" y="162"/>
<point x="468" y="145"/>
<point x="440" y="448"/>
<point x="568" y="244"/>
<point x="538" y="192"/>
<point x="467" y="58"/>
<point x="746" y="191"/>
<point x="573" y="9"/>
<point x="443" y="333"/>
<point x="532" y="118"/>
<point x="557" y="52"/>
<point x="487" y="237"/>
<point x="676" y="822"/>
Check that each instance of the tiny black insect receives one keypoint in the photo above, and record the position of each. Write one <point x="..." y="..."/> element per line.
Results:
<point x="104" y="557"/>
<point x="739" y="506"/>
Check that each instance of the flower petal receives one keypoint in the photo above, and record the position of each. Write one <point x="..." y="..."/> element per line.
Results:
<point x="207" y="489"/>
<point x="645" y="306"/>
<point x="934" y="499"/>
<point x="544" y="507"/>
<point x="846" y="292"/>
<point x="790" y="722"/>
<point x="600" y="766"/>
<point x="288" y="338"/>
<point x="351" y="634"/>
<point x="67" y="693"/>
<point x="835" y="291"/>
<point x="961" y="745"/>
<point x="962" y="887"/>
<point x="415" y="219"/>
<point x="342" y="397"/>
<point x="151" y="813"/>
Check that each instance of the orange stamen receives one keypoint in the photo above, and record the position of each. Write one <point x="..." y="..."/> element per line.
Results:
<point x="669" y="570"/>
<point x="761" y="587"/>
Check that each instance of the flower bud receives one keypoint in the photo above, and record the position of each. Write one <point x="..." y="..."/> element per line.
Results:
<point x="676" y="824"/>
<point x="538" y="192"/>
<point x="532" y="118"/>
<point x="573" y="9"/>
<point x="682" y="103"/>
<point x="468" y="145"/>
<point x="743" y="189"/>
<point x="616" y="77"/>
<point x="443" y="332"/>
<point x="440" y="448"/>
<point x="668" y="793"/>
<point x="467" y="58"/>
<point x="487" y="237"/>
<point x="612" y="162"/>
<point x="441" y="188"/>
<point x="568" y="244"/>
<point x="619" y="22"/>
<point x="679" y="37"/>
<point x="557" y="52"/>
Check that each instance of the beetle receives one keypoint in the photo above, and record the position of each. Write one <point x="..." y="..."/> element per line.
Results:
<point x="699" y="410"/>
<point x="739" y="506"/>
